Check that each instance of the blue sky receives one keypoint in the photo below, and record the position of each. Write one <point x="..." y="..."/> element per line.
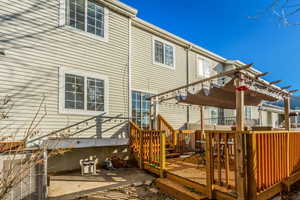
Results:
<point x="226" y="27"/>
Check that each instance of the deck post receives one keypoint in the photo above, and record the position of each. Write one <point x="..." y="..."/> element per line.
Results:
<point x="162" y="160"/>
<point x="156" y="110"/>
<point x="239" y="139"/>
<point x="209" y="165"/>
<point x="150" y="114"/>
<point x="251" y="167"/>
<point x="141" y="160"/>
<point x="287" y="102"/>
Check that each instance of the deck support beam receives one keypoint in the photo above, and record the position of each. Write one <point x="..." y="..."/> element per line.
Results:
<point x="239" y="139"/>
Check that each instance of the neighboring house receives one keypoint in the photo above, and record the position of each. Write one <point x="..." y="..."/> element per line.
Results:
<point x="266" y="115"/>
<point x="90" y="57"/>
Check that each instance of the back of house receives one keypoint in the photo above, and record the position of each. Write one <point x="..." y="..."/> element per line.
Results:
<point x="64" y="63"/>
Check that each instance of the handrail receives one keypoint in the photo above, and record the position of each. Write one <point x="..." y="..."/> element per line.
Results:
<point x="102" y="116"/>
<point x="162" y="121"/>
<point x="161" y="118"/>
<point x="135" y="125"/>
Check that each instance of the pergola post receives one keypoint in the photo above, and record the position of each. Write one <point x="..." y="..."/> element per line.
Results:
<point x="156" y="110"/>
<point x="151" y="114"/>
<point x="287" y="105"/>
<point x="202" y="119"/>
<point x="239" y="139"/>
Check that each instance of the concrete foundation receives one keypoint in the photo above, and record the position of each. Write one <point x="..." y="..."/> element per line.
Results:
<point x="69" y="161"/>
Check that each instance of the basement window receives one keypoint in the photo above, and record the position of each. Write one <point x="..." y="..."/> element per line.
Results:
<point x="82" y="92"/>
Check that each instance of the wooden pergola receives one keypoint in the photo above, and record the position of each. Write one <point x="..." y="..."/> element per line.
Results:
<point x="242" y="88"/>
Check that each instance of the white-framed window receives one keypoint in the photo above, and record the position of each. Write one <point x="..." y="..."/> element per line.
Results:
<point x="203" y="68"/>
<point x="248" y="112"/>
<point x="81" y="92"/>
<point x="87" y="16"/>
<point x="163" y="53"/>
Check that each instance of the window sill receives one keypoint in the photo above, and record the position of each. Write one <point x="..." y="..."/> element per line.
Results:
<point x="80" y="112"/>
<point x="90" y="35"/>
<point x="164" y="65"/>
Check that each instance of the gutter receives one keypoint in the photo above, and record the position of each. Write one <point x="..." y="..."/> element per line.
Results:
<point x="129" y="67"/>
<point x="188" y="81"/>
<point x="119" y="7"/>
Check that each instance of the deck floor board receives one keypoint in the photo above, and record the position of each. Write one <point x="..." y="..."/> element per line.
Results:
<point x="197" y="173"/>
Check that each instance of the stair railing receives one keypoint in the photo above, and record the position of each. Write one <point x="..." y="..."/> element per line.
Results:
<point x="76" y="129"/>
<point x="171" y="133"/>
<point x="148" y="147"/>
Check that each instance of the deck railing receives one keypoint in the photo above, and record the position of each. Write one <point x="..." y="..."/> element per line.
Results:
<point x="245" y="164"/>
<point x="274" y="156"/>
<point x="220" y="160"/>
<point x="148" y="147"/>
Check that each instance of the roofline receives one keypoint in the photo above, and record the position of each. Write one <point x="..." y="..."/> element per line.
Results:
<point x="140" y="23"/>
<point x="120" y="7"/>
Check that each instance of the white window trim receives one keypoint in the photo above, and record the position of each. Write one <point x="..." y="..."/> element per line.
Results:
<point x="153" y="53"/>
<point x="144" y="91"/>
<point x="63" y="110"/>
<point x="197" y="67"/>
<point x="62" y="23"/>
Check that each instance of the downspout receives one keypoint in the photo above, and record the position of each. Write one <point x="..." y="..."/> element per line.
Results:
<point x="187" y="82"/>
<point x="129" y="68"/>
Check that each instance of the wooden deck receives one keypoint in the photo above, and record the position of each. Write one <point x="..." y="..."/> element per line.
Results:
<point x="272" y="160"/>
<point x="192" y="169"/>
<point x="187" y="170"/>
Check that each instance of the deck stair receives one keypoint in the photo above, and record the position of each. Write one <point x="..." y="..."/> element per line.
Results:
<point x="164" y="125"/>
<point x="171" y="151"/>
<point x="177" y="190"/>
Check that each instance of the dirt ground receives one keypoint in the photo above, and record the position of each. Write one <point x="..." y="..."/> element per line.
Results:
<point x="120" y="184"/>
<point x="123" y="184"/>
<point x="129" y="193"/>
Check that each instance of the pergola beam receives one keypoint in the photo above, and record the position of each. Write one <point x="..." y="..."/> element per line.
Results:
<point x="227" y="73"/>
<point x="286" y="87"/>
<point x="275" y="82"/>
<point x="293" y="91"/>
<point x="266" y="84"/>
<point x="261" y="75"/>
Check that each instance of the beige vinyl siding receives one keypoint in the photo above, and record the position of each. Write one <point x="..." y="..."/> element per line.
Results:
<point x="216" y="67"/>
<point x="193" y="76"/>
<point x="36" y="48"/>
<point x="153" y="78"/>
<point x="254" y="112"/>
